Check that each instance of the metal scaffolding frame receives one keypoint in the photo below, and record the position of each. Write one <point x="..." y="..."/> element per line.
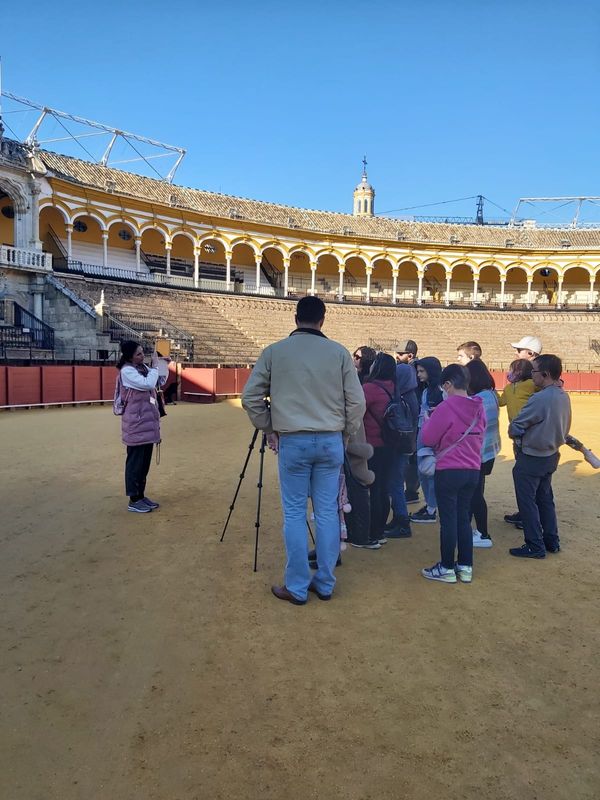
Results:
<point x="564" y="201"/>
<point x="100" y="130"/>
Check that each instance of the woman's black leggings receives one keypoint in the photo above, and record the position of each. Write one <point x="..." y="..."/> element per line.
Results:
<point x="381" y="464"/>
<point x="479" y="508"/>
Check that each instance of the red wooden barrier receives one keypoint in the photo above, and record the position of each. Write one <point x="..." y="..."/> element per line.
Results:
<point x="500" y="378"/>
<point x="241" y="378"/>
<point x="224" y="381"/>
<point x="87" y="383"/>
<point x="109" y="379"/>
<point x="198" y="384"/>
<point x="590" y="381"/>
<point x="57" y="384"/>
<point x="24" y="386"/>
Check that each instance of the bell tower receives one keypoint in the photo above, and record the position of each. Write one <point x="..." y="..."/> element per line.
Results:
<point x="364" y="195"/>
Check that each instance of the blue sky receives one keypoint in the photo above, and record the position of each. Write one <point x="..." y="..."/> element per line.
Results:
<point x="447" y="99"/>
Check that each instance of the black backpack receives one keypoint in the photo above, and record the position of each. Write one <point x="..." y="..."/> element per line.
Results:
<point x="398" y="428"/>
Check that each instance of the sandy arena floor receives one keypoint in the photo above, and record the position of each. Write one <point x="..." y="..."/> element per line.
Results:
<point x="142" y="659"/>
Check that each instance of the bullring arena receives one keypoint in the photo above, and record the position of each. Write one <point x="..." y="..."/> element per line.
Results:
<point x="142" y="657"/>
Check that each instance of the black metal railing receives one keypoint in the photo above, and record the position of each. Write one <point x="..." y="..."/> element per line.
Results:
<point x="41" y="335"/>
<point x="146" y="330"/>
<point x="55" y="246"/>
<point x="271" y="274"/>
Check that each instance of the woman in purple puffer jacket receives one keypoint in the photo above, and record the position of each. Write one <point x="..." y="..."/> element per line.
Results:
<point x="140" y="422"/>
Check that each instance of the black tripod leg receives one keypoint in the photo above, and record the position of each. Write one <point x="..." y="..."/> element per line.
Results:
<point x="242" y="475"/>
<point x="263" y="445"/>
<point x="310" y="531"/>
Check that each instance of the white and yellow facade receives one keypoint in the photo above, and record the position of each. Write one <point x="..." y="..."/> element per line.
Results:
<point x="110" y="219"/>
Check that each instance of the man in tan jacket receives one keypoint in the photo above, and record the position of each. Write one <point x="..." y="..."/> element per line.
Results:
<point x="316" y="401"/>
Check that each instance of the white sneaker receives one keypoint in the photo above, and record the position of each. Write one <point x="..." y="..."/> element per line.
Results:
<point x="479" y="540"/>
<point x="463" y="573"/>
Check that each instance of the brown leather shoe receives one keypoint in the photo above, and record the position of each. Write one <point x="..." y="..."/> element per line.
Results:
<point x="321" y="596"/>
<point x="281" y="593"/>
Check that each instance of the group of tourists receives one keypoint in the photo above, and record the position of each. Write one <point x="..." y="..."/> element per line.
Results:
<point x="455" y="413"/>
<point x="365" y="436"/>
<point x="416" y="427"/>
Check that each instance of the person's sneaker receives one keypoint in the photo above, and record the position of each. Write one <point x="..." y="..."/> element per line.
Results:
<point x="463" y="573"/>
<point x="422" y="515"/>
<point x="150" y="503"/>
<point x="479" y="540"/>
<point x="526" y="552"/>
<point x="512" y="518"/>
<point x="401" y="529"/>
<point x="519" y="525"/>
<point x="411" y="498"/>
<point x="553" y="549"/>
<point x="382" y="540"/>
<point x="139" y="507"/>
<point x="366" y="545"/>
<point x="439" y="573"/>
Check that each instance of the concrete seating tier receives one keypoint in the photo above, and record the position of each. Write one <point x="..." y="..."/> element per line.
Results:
<point x="234" y="329"/>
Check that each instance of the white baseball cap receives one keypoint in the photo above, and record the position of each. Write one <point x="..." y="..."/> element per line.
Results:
<point x="528" y="343"/>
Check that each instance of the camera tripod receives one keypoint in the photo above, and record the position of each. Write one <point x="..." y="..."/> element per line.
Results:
<point x="259" y="486"/>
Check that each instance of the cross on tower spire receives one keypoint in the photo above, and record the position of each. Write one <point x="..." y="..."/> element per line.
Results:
<point x="364" y="163"/>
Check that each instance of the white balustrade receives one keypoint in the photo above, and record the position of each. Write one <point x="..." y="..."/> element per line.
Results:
<point x="20" y="258"/>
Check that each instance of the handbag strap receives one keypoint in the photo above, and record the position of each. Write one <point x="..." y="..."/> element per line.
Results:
<point x="458" y="441"/>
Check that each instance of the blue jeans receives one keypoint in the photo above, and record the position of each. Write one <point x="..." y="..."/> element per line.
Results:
<point x="310" y="464"/>
<point x="396" y="484"/>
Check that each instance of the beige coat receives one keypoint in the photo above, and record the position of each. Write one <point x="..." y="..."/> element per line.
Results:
<point x="312" y="384"/>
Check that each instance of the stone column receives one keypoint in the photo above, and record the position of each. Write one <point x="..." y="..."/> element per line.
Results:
<point x="369" y="272"/>
<point x="168" y="246"/>
<point x="34" y="211"/>
<point x="138" y="253"/>
<point x="105" y="248"/>
<point x="341" y="271"/>
<point x="559" y="297"/>
<point x="69" y="229"/>
<point x="196" y="266"/>
<point x="258" y="261"/>
<point x="228" y="256"/>
<point x="591" y="298"/>
<point x="286" y="275"/>
<point x="528" y="300"/>
<point x="502" y="288"/>
<point x="420" y="276"/>
<point x="394" y="285"/>
<point x="36" y="289"/>
<point x="475" y="287"/>
<point x="448" y="279"/>
<point x="313" y="276"/>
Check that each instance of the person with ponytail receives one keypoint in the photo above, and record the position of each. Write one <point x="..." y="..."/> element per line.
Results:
<point x="140" y="420"/>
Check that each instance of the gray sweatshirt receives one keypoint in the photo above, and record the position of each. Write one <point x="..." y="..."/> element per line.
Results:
<point x="543" y="422"/>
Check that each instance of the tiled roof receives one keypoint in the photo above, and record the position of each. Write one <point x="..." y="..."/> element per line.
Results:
<point x="324" y="222"/>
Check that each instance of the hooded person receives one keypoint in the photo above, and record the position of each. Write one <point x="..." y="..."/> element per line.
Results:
<point x="455" y="432"/>
<point x="429" y="370"/>
<point x="406" y="390"/>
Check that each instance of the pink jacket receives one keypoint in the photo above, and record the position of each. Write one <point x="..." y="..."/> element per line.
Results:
<point x="447" y="424"/>
<point x="377" y="402"/>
